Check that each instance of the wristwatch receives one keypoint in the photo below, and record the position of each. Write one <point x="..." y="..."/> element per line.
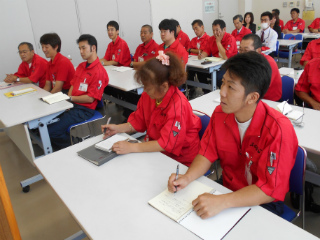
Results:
<point x="18" y="80"/>
<point x="131" y="64"/>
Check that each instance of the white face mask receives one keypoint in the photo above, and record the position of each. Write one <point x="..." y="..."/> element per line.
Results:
<point x="264" y="25"/>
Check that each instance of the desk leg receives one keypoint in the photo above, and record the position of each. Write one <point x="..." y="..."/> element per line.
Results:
<point x="290" y="57"/>
<point x="77" y="236"/>
<point x="214" y="80"/>
<point x="45" y="139"/>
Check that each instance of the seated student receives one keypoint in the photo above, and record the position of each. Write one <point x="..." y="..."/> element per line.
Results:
<point x="32" y="69"/>
<point x="240" y="30"/>
<point x="168" y="34"/>
<point x="60" y="70"/>
<point x="147" y="49"/>
<point x="274" y="24"/>
<point x="200" y="40"/>
<point x="314" y="27"/>
<point x="252" y="42"/>
<point x="296" y="25"/>
<point x="308" y="87"/>
<point x="277" y="13"/>
<point x="267" y="35"/>
<point x="248" y="22"/>
<point x="163" y="111"/>
<point x="255" y="143"/>
<point x="86" y="90"/>
<point x="117" y="53"/>
<point x="312" y="51"/>
<point x="181" y="36"/>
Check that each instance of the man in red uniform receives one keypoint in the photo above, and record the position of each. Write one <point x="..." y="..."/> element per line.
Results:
<point x="252" y="42"/>
<point x="181" y="36"/>
<point x="168" y="30"/>
<point x="312" y="51"/>
<point x="277" y="12"/>
<point x="314" y="27"/>
<point x="86" y="90"/>
<point x="60" y="70"/>
<point x="255" y="143"/>
<point x="296" y="25"/>
<point x="146" y="50"/>
<point x="200" y="40"/>
<point x="32" y="69"/>
<point x="118" y="53"/>
<point x="308" y="86"/>
<point x="240" y="30"/>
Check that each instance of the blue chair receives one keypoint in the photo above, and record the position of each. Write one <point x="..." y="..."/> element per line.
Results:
<point x="287" y="89"/>
<point x="281" y="35"/>
<point x="296" y="185"/>
<point x="285" y="54"/>
<point x="275" y="53"/>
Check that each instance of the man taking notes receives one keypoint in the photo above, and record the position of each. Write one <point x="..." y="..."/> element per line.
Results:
<point x="256" y="144"/>
<point x="60" y="70"/>
<point x="32" y="69"/>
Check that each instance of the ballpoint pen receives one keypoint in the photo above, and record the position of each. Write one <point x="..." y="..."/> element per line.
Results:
<point x="177" y="174"/>
<point x="105" y="130"/>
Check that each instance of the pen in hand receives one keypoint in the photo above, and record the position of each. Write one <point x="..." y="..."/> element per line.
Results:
<point x="105" y="130"/>
<point x="177" y="174"/>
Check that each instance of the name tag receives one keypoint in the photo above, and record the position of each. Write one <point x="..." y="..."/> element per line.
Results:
<point x="83" y="87"/>
<point x="140" y="59"/>
<point x="294" y="28"/>
<point x="53" y="83"/>
<point x="113" y="57"/>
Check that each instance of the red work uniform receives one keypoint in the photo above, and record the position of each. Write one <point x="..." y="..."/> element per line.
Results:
<point x="119" y="52"/>
<point x="146" y="51"/>
<point x="315" y="24"/>
<point x="36" y="72"/>
<point x="228" y="42"/>
<point x="274" y="92"/>
<point x="309" y="81"/>
<point x="176" y="48"/>
<point x="264" y="158"/>
<point x="183" y="39"/>
<point x="299" y="24"/>
<point x="172" y="124"/>
<point x="90" y="81"/>
<point x="312" y="51"/>
<point x="61" y="69"/>
<point x="197" y="43"/>
<point x="243" y="31"/>
<point x="281" y="24"/>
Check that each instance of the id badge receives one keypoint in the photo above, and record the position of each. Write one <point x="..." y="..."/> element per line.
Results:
<point x="140" y="59"/>
<point x="54" y="83"/>
<point x="294" y="28"/>
<point x="113" y="57"/>
<point x="83" y="87"/>
<point x="198" y="45"/>
<point x="248" y="173"/>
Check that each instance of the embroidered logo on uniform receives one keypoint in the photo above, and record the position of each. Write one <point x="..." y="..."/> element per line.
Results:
<point x="175" y="133"/>
<point x="177" y="124"/>
<point x="270" y="170"/>
<point x="100" y="82"/>
<point x="153" y="52"/>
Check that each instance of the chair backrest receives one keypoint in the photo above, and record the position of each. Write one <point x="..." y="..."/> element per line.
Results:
<point x="281" y="35"/>
<point x="298" y="172"/>
<point x="204" y="121"/>
<point x="294" y="37"/>
<point x="277" y="50"/>
<point x="287" y="89"/>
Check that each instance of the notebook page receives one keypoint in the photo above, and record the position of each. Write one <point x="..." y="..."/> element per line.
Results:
<point x="176" y="205"/>
<point x="107" y="144"/>
<point x="51" y="96"/>
<point x="56" y="98"/>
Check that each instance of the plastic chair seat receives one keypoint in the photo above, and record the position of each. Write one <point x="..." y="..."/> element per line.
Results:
<point x="95" y="116"/>
<point x="288" y="214"/>
<point x="286" y="54"/>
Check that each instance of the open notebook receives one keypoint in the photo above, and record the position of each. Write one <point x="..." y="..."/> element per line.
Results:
<point x="178" y="206"/>
<point x="54" y="98"/>
<point x="287" y="110"/>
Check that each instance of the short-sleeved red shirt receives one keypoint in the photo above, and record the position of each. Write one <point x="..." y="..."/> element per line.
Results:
<point x="61" y="69"/>
<point x="146" y="51"/>
<point x="183" y="39"/>
<point x="274" y="92"/>
<point x="243" y="31"/>
<point x="176" y="48"/>
<point x="36" y="72"/>
<point x="267" y="152"/>
<point x="309" y="81"/>
<point x="299" y="24"/>
<point x="312" y="51"/>
<point x="197" y="43"/>
<point x="281" y="24"/>
<point x="172" y="124"/>
<point x="96" y="79"/>
<point x="315" y="24"/>
<point x="228" y="42"/>
<point x="119" y="52"/>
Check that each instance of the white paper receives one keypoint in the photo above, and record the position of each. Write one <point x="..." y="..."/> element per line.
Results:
<point x="122" y="69"/>
<point x="107" y="144"/>
<point x="23" y="91"/>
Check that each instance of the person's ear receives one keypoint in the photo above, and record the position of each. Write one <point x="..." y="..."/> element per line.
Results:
<point x="252" y="98"/>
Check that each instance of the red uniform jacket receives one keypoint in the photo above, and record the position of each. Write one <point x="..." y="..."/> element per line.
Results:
<point x="183" y="39"/>
<point x="197" y="43"/>
<point x="238" y="36"/>
<point x="228" y="42"/>
<point x="118" y="52"/>
<point x="312" y="51"/>
<point x="172" y="124"/>
<point x="299" y="24"/>
<point x="315" y="24"/>
<point x="176" y="48"/>
<point x="96" y="79"/>
<point x="269" y="148"/>
<point x="145" y="52"/>
<point x="36" y="72"/>
<point x="281" y="24"/>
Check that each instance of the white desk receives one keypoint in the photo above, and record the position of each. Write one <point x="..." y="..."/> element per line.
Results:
<point x="194" y="64"/>
<point x="111" y="201"/>
<point x="307" y="35"/>
<point x="291" y="72"/>
<point x="290" y="44"/>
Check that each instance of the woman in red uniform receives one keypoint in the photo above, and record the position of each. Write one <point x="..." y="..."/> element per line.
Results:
<point x="163" y="111"/>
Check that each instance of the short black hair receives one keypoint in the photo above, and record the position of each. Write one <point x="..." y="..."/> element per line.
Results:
<point x="113" y="24"/>
<point x="30" y="46"/>
<point x="52" y="39"/>
<point x="92" y="41"/>
<point x="149" y="27"/>
<point x="251" y="16"/>
<point x="253" y="69"/>
<point x="197" y="21"/>
<point x="238" y="16"/>
<point x="295" y="9"/>
<point x="219" y="22"/>
<point x="277" y="11"/>
<point x="175" y="22"/>
<point x="168" y="24"/>
<point x="256" y="40"/>
<point x="268" y="14"/>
